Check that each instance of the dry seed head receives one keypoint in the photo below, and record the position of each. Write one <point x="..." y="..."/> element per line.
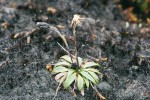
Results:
<point x="76" y="21"/>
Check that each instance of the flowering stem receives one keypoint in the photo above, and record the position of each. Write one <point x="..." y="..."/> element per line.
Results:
<point x="75" y="46"/>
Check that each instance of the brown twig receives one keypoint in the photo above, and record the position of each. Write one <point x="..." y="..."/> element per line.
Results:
<point x="72" y="91"/>
<point x="58" y="87"/>
<point x="25" y="33"/>
<point x="97" y="92"/>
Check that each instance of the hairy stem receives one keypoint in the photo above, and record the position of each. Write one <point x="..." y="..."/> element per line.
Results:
<point x="75" y="46"/>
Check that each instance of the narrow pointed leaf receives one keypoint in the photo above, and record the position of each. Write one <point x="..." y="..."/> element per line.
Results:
<point x="59" y="69"/>
<point x="94" y="76"/>
<point x="62" y="80"/>
<point x="80" y="60"/>
<point x="64" y="63"/>
<point x="88" y="76"/>
<point x="87" y="82"/>
<point x="89" y="64"/>
<point x="70" y="71"/>
<point x="58" y="76"/>
<point x="80" y="83"/>
<point x="67" y="58"/>
<point x="69" y="80"/>
<point x="92" y="69"/>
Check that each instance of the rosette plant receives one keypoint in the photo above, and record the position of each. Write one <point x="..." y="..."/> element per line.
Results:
<point x="72" y="71"/>
<point x="68" y="73"/>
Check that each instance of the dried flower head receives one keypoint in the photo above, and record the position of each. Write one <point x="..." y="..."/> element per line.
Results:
<point x="76" y="21"/>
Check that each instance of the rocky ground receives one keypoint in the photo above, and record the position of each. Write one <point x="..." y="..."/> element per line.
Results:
<point x="23" y="75"/>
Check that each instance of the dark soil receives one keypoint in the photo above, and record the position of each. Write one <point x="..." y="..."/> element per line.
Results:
<point x="23" y="75"/>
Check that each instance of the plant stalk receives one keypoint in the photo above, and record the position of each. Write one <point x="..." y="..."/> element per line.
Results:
<point x="97" y="92"/>
<point x="75" y="46"/>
